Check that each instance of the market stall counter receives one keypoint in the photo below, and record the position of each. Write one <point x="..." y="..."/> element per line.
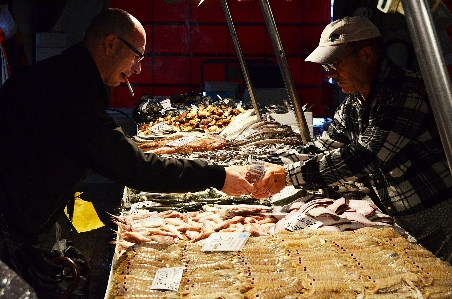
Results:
<point x="295" y="244"/>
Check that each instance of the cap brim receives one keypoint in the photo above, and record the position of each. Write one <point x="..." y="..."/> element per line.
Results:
<point x="326" y="54"/>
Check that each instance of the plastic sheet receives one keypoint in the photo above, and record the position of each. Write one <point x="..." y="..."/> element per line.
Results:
<point x="12" y="286"/>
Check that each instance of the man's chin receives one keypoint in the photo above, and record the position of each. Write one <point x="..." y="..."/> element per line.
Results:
<point x="347" y="89"/>
<point x="112" y="84"/>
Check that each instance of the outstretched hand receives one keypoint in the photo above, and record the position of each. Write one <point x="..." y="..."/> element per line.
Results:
<point x="274" y="180"/>
<point x="235" y="183"/>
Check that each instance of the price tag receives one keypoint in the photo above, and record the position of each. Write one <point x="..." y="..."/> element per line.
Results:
<point x="167" y="279"/>
<point x="301" y="221"/>
<point x="166" y="104"/>
<point x="161" y="126"/>
<point x="145" y="105"/>
<point x="225" y="241"/>
<point x="182" y="141"/>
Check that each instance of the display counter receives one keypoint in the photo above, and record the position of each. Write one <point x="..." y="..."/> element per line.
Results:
<point x="295" y="244"/>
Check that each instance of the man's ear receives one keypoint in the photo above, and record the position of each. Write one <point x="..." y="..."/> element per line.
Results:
<point x="367" y="54"/>
<point x="110" y="44"/>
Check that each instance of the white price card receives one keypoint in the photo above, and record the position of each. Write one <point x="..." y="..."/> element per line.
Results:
<point x="301" y="221"/>
<point x="166" y="104"/>
<point x="161" y="126"/>
<point x="225" y="241"/>
<point x="167" y="279"/>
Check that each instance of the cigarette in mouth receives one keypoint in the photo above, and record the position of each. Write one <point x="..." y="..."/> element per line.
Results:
<point x="129" y="86"/>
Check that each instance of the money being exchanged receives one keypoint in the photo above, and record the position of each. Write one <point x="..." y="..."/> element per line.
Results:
<point x="256" y="171"/>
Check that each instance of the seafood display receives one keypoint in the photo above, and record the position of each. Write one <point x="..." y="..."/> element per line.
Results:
<point x="266" y="132"/>
<point x="233" y="155"/>
<point x="255" y="139"/>
<point x="170" y="226"/>
<point x="210" y="118"/>
<point x="302" y="243"/>
<point x="340" y="214"/>
<point x="144" y="223"/>
<point x="135" y="201"/>
<point x="365" y="263"/>
<point x="183" y="143"/>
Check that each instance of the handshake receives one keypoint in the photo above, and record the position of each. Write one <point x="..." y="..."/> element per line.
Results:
<point x="249" y="180"/>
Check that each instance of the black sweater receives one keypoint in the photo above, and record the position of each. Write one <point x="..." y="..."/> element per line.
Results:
<point x="54" y="128"/>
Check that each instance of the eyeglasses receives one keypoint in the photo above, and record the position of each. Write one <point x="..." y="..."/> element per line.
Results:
<point x="139" y="54"/>
<point x="328" y="67"/>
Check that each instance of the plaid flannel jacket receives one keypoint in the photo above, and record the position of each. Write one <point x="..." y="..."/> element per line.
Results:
<point x="391" y="137"/>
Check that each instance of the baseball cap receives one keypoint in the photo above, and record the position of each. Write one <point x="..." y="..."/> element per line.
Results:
<point x="337" y="34"/>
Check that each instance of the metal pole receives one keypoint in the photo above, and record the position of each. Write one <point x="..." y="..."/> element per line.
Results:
<point x="238" y="49"/>
<point x="285" y="71"/>
<point x="433" y="68"/>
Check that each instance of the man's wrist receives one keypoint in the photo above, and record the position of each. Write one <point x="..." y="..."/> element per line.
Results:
<point x="287" y="178"/>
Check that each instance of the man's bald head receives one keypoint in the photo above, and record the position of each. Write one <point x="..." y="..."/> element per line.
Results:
<point x="110" y="21"/>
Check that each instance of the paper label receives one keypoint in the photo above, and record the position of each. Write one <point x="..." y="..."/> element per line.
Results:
<point x="301" y="221"/>
<point x="167" y="279"/>
<point x="182" y="141"/>
<point x="166" y="104"/>
<point x="145" y="105"/>
<point x="161" y="126"/>
<point x="225" y="241"/>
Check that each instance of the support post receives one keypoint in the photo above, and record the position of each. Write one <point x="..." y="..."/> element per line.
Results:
<point x="433" y="67"/>
<point x="285" y="71"/>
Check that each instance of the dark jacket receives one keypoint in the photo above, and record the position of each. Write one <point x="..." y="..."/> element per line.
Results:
<point x="54" y="129"/>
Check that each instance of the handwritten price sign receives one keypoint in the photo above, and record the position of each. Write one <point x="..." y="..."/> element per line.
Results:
<point x="167" y="279"/>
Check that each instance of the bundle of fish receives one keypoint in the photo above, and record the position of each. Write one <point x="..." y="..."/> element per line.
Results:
<point x="135" y="200"/>
<point x="267" y="132"/>
<point x="335" y="214"/>
<point x="180" y="143"/>
<point x="247" y="130"/>
<point x="234" y="155"/>
<point x="366" y="263"/>
<point x="169" y="227"/>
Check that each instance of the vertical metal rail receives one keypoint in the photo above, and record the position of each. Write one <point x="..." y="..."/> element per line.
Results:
<point x="433" y="68"/>
<point x="285" y="71"/>
<point x="238" y="49"/>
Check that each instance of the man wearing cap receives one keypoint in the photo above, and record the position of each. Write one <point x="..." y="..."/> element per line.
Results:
<point x="384" y="132"/>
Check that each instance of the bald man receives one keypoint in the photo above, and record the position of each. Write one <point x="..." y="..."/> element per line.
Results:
<point x="54" y="129"/>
